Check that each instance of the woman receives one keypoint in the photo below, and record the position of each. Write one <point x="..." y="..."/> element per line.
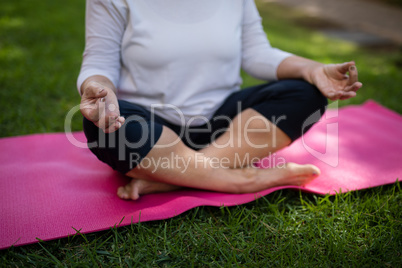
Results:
<point x="161" y="101"/>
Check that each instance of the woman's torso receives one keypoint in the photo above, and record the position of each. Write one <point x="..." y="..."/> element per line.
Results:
<point x="181" y="56"/>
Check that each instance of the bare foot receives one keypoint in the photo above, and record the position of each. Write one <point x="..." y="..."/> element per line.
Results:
<point x="136" y="187"/>
<point x="291" y="174"/>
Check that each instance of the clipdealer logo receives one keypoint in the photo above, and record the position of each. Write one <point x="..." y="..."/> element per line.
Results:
<point x="330" y="155"/>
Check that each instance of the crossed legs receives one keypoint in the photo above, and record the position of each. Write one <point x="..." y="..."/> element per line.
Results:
<point x="225" y="164"/>
<point x="249" y="136"/>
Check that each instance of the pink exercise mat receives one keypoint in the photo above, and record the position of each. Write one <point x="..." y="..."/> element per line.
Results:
<point x="49" y="186"/>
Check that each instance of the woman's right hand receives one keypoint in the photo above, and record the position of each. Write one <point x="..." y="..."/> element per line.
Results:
<point x="99" y="104"/>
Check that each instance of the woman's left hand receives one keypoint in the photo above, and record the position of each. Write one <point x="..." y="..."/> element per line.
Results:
<point x="336" y="81"/>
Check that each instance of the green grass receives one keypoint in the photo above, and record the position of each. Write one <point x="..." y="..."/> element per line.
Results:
<point x="379" y="70"/>
<point x="285" y="228"/>
<point x="41" y="43"/>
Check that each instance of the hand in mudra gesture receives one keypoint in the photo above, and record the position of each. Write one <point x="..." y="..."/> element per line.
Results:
<point x="336" y="81"/>
<point x="99" y="104"/>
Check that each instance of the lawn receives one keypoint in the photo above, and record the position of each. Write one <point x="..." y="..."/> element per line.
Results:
<point x="41" y="44"/>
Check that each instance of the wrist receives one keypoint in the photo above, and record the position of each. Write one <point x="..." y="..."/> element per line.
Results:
<point x="310" y="69"/>
<point x="97" y="81"/>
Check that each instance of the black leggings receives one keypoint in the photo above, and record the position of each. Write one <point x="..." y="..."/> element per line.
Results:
<point x="286" y="103"/>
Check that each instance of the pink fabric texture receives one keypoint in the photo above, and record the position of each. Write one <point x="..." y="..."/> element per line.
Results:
<point x="48" y="186"/>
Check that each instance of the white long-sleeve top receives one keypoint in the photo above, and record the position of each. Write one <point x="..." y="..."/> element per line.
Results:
<point x="179" y="58"/>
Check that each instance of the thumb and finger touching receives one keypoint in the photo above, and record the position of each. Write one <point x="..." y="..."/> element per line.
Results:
<point x="344" y="67"/>
<point x="98" y="106"/>
<point x="347" y="76"/>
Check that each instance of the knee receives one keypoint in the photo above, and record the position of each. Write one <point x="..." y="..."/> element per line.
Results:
<point x="123" y="149"/>
<point x="311" y="96"/>
<point x="312" y="105"/>
<point x="90" y="130"/>
<point x="301" y="100"/>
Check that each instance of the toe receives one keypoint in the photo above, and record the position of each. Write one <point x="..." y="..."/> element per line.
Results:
<point x="315" y="171"/>
<point x="121" y="192"/>
<point x="134" y="194"/>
